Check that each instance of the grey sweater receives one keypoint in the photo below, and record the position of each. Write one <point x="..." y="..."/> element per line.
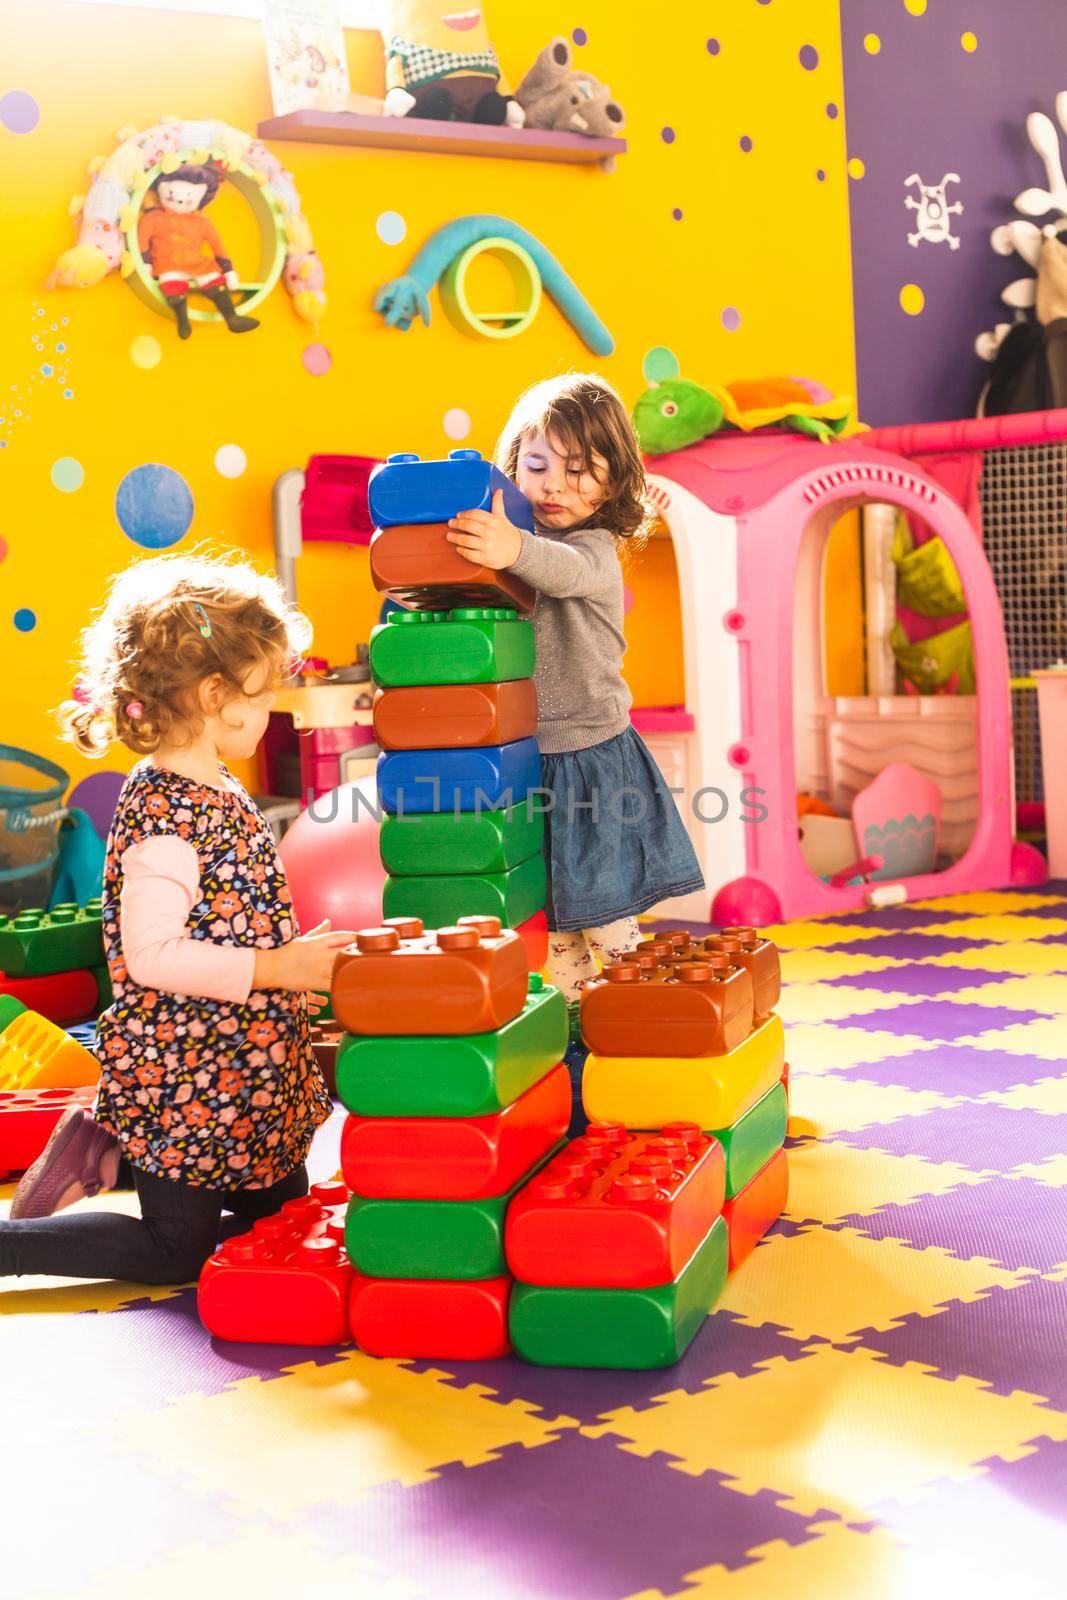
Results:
<point x="582" y="698"/>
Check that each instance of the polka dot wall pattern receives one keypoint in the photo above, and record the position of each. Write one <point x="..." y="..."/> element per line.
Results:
<point x="317" y="360"/>
<point x="154" y="506"/>
<point x="456" y="423"/>
<point x="391" y="227"/>
<point x="19" y="111"/>
<point x="25" y="620"/>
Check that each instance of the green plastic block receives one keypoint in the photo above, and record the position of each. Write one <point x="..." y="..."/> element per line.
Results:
<point x="620" y="1327"/>
<point x="432" y="1238"/>
<point x="754" y="1138"/>
<point x="10" y="1008"/>
<point x="449" y="842"/>
<point x="440" y="901"/>
<point x="39" y="942"/>
<point x="458" y="1075"/>
<point x="103" y="984"/>
<point x="473" y="644"/>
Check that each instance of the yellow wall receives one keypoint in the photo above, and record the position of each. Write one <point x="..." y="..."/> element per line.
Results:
<point x="759" y="233"/>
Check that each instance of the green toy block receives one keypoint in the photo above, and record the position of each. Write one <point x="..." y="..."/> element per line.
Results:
<point x="627" y="1328"/>
<point x="457" y="1075"/>
<point x="440" y="901"/>
<point x="754" y="1138"/>
<point x="35" y="943"/>
<point x="449" y="842"/>
<point x="454" y="1239"/>
<point x="472" y="644"/>
<point x="103" y="984"/>
<point x="10" y="1008"/>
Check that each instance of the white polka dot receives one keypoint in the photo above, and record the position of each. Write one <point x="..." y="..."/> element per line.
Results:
<point x="391" y="227"/>
<point x="456" y="423"/>
<point x="230" y="461"/>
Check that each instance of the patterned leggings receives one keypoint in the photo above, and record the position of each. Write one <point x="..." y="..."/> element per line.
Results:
<point x="575" y="959"/>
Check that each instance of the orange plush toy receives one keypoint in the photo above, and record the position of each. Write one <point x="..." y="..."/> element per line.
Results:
<point x="182" y="248"/>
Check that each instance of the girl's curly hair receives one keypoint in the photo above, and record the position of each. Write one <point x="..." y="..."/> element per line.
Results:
<point x="586" y="416"/>
<point x="167" y="624"/>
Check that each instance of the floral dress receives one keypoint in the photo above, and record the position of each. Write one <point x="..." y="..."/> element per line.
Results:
<point x="213" y="1093"/>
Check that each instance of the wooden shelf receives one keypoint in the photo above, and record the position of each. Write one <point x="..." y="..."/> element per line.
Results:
<point x="437" y="138"/>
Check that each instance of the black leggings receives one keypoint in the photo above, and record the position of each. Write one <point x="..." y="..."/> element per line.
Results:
<point x="177" y="1230"/>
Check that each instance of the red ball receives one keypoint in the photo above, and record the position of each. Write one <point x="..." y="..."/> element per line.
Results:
<point x="745" y="902"/>
<point x="332" y="860"/>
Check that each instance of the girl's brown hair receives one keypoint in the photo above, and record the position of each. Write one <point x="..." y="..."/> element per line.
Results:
<point x="585" y="415"/>
<point x="167" y="624"/>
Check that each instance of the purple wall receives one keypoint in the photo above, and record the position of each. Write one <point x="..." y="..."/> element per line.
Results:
<point x="924" y="105"/>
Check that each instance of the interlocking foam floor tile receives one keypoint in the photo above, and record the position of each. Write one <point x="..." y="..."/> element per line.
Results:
<point x="983" y="1136"/>
<point x="813" y="1047"/>
<point x="1033" y="955"/>
<point x="1045" y="994"/>
<point x="838" y="1561"/>
<point x="1048" y="1095"/>
<point x="919" y="945"/>
<point x="990" y="902"/>
<point x="815" y="1431"/>
<point x="828" y="1102"/>
<point x="942" y="1021"/>
<point x="829" y="1181"/>
<point x="1045" y="1037"/>
<point x="823" y="966"/>
<point x="996" y="929"/>
<point x="1051" y="1172"/>
<point x="347" y="1427"/>
<point x="819" y="1002"/>
<point x="955" y="1070"/>
<point x="918" y="979"/>
<point x="832" y="1283"/>
<point x="818" y="935"/>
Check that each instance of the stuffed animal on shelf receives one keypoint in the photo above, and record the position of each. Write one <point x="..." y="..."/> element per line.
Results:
<point x="562" y="101"/>
<point x="182" y="249"/>
<point x="440" y="63"/>
<point x="675" y="412"/>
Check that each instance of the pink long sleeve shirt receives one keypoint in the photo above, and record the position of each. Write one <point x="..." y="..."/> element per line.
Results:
<point x="161" y="885"/>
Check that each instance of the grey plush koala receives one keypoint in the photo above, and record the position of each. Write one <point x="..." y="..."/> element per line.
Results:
<point x="556" y="98"/>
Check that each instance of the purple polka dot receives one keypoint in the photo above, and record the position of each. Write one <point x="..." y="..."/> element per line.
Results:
<point x="808" y="57"/>
<point x="730" y="319"/>
<point x="667" y="135"/>
<point x="580" y="36"/>
<point x="745" y="142"/>
<point x="713" y="47"/>
<point x="677" y="213"/>
<point x="19" y="111"/>
<point x="820" y="174"/>
<point x="831" y="111"/>
<point x="317" y="359"/>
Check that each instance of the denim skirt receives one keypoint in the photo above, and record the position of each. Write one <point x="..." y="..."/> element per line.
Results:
<point x="614" y="842"/>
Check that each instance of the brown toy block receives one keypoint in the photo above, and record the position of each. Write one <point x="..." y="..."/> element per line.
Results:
<point x="694" y="1008"/>
<point x="455" y="715"/>
<point x="414" y="563"/>
<point x="760" y="959"/>
<point x="404" y="979"/>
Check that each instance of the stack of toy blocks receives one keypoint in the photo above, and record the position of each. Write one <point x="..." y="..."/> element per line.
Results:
<point x="43" y="1071"/>
<point x="53" y="961"/>
<point x="455" y="709"/>
<point x="681" y="1030"/>
<point x="450" y="1069"/>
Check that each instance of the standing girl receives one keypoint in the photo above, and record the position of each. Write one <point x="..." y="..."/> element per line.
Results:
<point x="208" y="1083"/>
<point x="614" y="841"/>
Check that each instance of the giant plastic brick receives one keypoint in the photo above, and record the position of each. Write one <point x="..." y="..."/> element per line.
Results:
<point x="469" y="1075"/>
<point x="712" y="1091"/>
<point x="455" y="715"/>
<point x="758" y="1206"/>
<point x="511" y="896"/>
<point x="750" y="950"/>
<point x="59" y="996"/>
<point x="285" y="1282"/>
<point x="38" y="1054"/>
<point x="615" y="1211"/>
<point x="456" y="1158"/>
<point x="27" y="1118"/>
<point x="406" y="489"/>
<point x="444" y="843"/>
<point x="534" y="934"/>
<point x="470" y="644"/>
<point x="38" y="942"/>
<point x="429" y="1238"/>
<point x="697" y="1008"/>
<point x="636" y="1328"/>
<point x="754" y="1138"/>
<point x="415" y="781"/>
<point x="413" y="1318"/>
<point x="403" y="979"/>
<point x="419" y="566"/>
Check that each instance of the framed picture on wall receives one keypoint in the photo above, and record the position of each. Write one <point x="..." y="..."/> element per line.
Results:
<point x="305" y="53"/>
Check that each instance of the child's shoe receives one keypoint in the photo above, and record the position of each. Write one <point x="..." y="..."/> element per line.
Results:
<point x="80" y="1159"/>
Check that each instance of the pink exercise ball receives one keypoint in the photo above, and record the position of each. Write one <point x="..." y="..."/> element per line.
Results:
<point x="332" y="861"/>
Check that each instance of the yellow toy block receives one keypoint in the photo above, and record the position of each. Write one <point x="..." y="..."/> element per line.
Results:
<point x="37" y="1054"/>
<point x="712" y="1091"/>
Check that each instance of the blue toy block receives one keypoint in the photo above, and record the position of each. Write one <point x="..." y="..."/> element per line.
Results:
<point x="416" y="781"/>
<point x="407" y="490"/>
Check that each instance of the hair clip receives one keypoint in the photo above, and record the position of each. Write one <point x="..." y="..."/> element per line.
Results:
<point x="205" y="625"/>
<point x="134" y="710"/>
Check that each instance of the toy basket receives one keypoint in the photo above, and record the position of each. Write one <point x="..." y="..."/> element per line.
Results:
<point x="31" y="809"/>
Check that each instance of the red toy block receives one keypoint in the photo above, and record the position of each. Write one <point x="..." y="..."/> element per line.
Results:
<point x="758" y="1205"/>
<point x="60" y="996"/>
<point x="691" y="1008"/>
<point x="456" y="1158"/>
<point x="455" y="715"/>
<point x="27" y="1117"/>
<point x="285" y="1282"/>
<point x="534" y="934"/>
<point x="430" y="1319"/>
<point x="615" y="1210"/>
<point x="403" y="979"/>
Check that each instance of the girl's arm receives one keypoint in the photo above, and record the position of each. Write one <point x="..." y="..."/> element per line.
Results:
<point x="161" y="885"/>
<point x="581" y="566"/>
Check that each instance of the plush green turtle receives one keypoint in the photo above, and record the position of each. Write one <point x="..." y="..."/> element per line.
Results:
<point x="676" y="412"/>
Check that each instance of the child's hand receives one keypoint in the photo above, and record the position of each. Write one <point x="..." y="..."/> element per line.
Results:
<point x="303" y="965"/>
<point x="487" y="538"/>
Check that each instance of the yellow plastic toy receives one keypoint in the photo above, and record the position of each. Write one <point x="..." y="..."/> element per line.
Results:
<point x="712" y="1091"/>
<point x="37" y="1054"/>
